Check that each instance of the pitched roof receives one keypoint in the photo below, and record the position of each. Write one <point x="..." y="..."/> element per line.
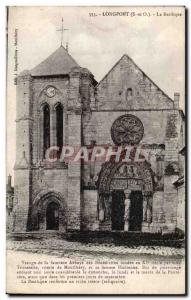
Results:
<point x="132" y="61"/>
<point x="59" y="62"/>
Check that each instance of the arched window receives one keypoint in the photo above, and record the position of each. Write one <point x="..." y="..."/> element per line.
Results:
<point x="46" y="128"/>
<point x="59" y="126"/>
<point x="129" y="92"/>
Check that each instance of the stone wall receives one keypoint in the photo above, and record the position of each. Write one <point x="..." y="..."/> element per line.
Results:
<point x="98" y="127"/>
<point x="90" y="210"/>
<point x="24" y="121"/>
<point x="49" y="179"/>
<point x="181" y="208"/>
<point x="127" y="87"/>
<point x="22" y="200"/>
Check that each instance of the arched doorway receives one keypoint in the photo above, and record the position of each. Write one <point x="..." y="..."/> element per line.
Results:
<point x="125" y="196"/>
<point x="118" y="210"/>
<point x="136" y="211"/>
<point x="52" y="216"/>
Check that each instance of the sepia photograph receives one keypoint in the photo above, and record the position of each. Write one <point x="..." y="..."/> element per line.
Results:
<point x="96" y="126"/>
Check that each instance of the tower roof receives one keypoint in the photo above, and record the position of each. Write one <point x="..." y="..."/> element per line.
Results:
<point x="59" y="62"/>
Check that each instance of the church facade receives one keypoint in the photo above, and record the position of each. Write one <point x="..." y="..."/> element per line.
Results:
<point x="60" y="104"/>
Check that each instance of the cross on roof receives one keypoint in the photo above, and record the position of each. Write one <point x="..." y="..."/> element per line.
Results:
<point x="62" y="29"/>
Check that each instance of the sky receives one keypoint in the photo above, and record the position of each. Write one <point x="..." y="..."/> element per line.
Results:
<point x="155" y="41"/>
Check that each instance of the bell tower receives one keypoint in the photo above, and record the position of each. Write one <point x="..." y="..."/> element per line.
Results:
<point x="51" y="100"/>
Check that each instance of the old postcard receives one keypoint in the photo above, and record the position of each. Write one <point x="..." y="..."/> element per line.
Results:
<point x="96" y="150"/>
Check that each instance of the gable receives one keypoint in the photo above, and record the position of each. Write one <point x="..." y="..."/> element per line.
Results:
<point x="126" y="86"/>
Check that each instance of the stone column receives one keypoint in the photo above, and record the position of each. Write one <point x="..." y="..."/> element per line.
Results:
<point x="149" y="209"/>
<point x="101" y="211"/>
<point x="105" y="212"/>
<point x="171" y="162"/>
<point x="127" y="209"/>
<point x="74" y="140"/>
<point x="42" y="220"/>
<point x="145" y="205"/>
<point x="53" y="123"/>
<point x="40" y="135"/>
<point x="107" y="200"/>
<point x="74" y="174"/>
<point x="52" y="127"/>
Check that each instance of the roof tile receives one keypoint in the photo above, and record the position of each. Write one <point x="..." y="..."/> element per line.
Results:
<point x="59" y="62"/>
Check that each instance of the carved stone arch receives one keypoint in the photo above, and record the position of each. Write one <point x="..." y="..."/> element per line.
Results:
<point x="148" y="177"/>
<point x="42" y="105"/>
<point x="113" y="178"/>
<point x="109" y="169"/>
<point x="42" y="196"/>
<point x="40" y="204"/>
<point x="57" y="104"/>
<point x="42" y="92"/>
<point x="104" y="174"/>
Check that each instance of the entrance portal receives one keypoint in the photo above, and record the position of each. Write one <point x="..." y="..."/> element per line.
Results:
<point x="136" y="211"/>
<point x="52" y="216"/>
<point x="118" y="210"/>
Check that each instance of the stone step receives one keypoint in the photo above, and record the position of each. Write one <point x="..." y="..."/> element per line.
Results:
<point x="104" y="226"/>
<point x="33" y="235"/>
